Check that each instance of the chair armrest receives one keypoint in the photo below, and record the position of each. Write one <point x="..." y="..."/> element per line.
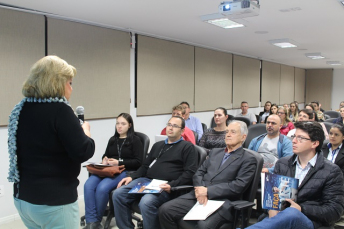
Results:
<point x="244" y="205"/>
<point x="181" y="187"/>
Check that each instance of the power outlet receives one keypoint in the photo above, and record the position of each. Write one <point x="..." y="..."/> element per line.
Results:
<point x="2" y="190"/>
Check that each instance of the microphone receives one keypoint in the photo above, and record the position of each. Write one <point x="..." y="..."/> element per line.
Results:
<point x="80" y="113"/>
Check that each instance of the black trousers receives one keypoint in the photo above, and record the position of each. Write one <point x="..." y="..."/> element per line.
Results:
<point x="174" y="210"/>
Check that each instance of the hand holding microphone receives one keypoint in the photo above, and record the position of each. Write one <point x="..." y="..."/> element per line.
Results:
<point x="85" y="125"/>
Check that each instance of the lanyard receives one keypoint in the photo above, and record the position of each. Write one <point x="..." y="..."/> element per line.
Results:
<point x="333" y="154"/>
<point x="164" y="151"/>
<point x="119" y="150"/>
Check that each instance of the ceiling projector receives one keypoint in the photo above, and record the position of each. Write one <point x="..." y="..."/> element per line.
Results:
<point x="239" y="9"/>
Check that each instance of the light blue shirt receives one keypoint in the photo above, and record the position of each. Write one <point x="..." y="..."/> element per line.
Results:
<point x="301" y="173"/>
<point x="194" y="124"/>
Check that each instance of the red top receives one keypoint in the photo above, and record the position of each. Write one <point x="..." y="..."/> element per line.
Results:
<point x="285" y="129"/>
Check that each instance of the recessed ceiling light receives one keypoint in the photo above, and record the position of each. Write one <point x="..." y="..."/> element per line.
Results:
<point x="224" y="23"/>
<point x="333" y="62"/>
<point x="314" y="56"/>
<point x="283" y="43"/>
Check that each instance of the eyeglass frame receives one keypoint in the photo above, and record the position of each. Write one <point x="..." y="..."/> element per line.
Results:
<point x="172" y="125"/>
<point x="300" y="138"/>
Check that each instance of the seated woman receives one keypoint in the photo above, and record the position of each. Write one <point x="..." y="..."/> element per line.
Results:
<point x="293" y="112"/>
<point x="334" y="150"/>
<point x="124" y="148"/>
<point x="266" y="111"/>
<point x="273" y="110"/>
<point x="215" y="137"/>
<point x="287" y="125"/>
<point x="340" y="120"/>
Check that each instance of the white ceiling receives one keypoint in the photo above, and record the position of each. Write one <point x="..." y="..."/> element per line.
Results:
<point x="316" y="25"/>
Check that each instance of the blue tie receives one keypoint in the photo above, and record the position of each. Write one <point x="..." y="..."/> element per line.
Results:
<point x="225" y="158"/>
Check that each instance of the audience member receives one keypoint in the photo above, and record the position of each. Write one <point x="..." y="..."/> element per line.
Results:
<point x="334" y="150"/>
<point x="246" y="114"/>
<point x="273" y="110"/>
<point x="47" y="147"/>
<point x="317" y="110"/>
<point x="264" y="114"/>
<point x="173" y="160"/>
<point x="340" y="120"/>
<point x="124" y="148"/>
<point x="341" y="104"/>
<point x="287" y="125"/>
<point x="286" y="106"/>
<point x="293" y="112"/>
<point x="308" y="115"/>
<point x="272" y="145"/>
<point x="192" y="122"/>
<point x="320" y="198"/>
<point x="187" y="134"/>
<point x="225" y="175"/>
<point x="215" y="137"/>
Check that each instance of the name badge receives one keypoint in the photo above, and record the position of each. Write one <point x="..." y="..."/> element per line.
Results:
<point x="152" y="163"/>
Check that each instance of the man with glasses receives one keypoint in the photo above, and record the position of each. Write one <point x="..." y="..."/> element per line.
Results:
<point x="272" y="145"/>
<point x="320" y="198"/>
<point x="192" y="122"/>
<point x="187" y="134"/>
<point x="172" y="160"/>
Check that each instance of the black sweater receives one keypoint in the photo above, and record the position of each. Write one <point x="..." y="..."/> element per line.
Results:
<point x="51" y="145"/>
<point x="131" y="154"/>
<point x="177" y="164"/>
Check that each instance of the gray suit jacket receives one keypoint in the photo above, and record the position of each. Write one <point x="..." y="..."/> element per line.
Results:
<point x="227" y="182"/>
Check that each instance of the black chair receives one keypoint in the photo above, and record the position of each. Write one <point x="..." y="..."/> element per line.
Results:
<point x="196" y="137"/>
<point x="258" y="118"/>
<point x="254" y="131"/>
<point x="204" y="126"/>
<point x="332" y="114"/>
<point x="202" y="154"/>
<point x="244" y="119"/>
<point x="244" y="206"/>
<point x="328" y="126"/>
<point x="330" y="120"/>
<point x="110" y="211"/>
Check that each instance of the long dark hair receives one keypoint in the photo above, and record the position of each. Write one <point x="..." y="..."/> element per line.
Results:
<point x="130" y="133"/>
<point x="224" y="112"/>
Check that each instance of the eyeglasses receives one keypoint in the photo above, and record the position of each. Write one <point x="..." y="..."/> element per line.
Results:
<point x="172" y="125"/>
<point x="299" y="138"/>
<point x="280" y="113"/>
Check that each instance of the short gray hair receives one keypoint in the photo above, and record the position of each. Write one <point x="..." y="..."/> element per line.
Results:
<point x="243" y="127"/>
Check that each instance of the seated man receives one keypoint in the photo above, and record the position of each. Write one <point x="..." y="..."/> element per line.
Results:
<point x="273" y="145"/>
<point x="320" y="198"/>
<point x="173" y="160"/>
<point x="187" y="135"/>
<point x="192" y="122"/>
<point x="244" y="113"/>
<point x="225" y="175"/>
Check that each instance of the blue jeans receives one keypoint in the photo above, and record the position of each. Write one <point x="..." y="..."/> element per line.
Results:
<point x="46" y="217"/>
<point x="149" y="205"/>
<point x="96" y="195"/>
<point x="290" y="218"/>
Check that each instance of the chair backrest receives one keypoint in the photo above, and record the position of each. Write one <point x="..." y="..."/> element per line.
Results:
<point x="145" y="142"/>
<point x="244" y="119"/>
<point x="258" y="118"/>
<point x="251" y="191"/>
<point x="328" y="126"/>
<point x="202" y="154"/>
<point x="332" y="114"/>
<point x="330" y="120"/>
<point x="196" y="136"/>
<point x="204" y="126"/>
<point x="254" y="131"/>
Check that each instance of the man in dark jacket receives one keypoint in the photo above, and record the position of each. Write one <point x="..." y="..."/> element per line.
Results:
<point x="320" y="198"/>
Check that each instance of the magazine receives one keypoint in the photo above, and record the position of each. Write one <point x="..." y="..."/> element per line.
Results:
<point x="148" y="187"/>
<point x="275" y="189"/>
<point x="201" y="212"/>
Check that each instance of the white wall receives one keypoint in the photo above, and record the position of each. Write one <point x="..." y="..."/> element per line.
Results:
<point x="337" y="88"/>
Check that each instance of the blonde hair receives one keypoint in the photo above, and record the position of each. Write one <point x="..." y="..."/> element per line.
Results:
<point x="286" y="119"/>
<point x="48" y="78"/>
<point x="179" y="108"/>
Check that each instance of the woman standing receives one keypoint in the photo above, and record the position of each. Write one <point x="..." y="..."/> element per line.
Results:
<point x="124" y="148"/>
<point x="47" y="145"/>
<point x="293" y="112"/>
<point x="334" y="150"/>
<point x="287" y="125"/>
<point x="215" y="137"/>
